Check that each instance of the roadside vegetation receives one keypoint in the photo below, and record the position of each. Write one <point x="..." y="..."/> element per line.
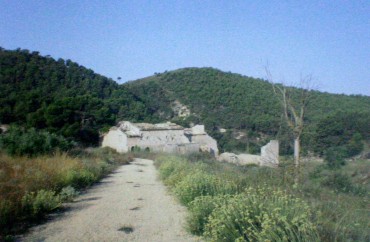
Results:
<point x="32" y="186"/>
<point x="250" y="203"/>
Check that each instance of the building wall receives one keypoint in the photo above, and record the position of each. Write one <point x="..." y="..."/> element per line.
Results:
<point x="206" y="142"/>
<point x="116" y="139"/>
<point x="157" y="140"/>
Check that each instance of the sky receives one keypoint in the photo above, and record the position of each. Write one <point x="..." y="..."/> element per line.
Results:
<point x="132" y="39"/>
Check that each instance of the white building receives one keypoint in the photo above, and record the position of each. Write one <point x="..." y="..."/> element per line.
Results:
<point x="164" y="137"/>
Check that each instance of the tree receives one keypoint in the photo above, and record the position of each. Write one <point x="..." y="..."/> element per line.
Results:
<point x="294" y="105"/>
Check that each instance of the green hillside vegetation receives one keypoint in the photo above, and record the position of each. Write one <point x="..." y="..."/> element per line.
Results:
<point x="245" y="104"/>
<point x="62" y="97"/>
<point x="71" y="101"/>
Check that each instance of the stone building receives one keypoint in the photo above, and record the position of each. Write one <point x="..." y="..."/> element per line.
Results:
<point x="164" y="137"/>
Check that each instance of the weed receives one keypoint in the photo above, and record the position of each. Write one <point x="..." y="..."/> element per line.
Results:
<point x="228" y="203"/>
<point x="68" y="193"/>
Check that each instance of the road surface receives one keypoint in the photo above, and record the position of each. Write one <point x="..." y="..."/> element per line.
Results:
<point x="131" y="204"/>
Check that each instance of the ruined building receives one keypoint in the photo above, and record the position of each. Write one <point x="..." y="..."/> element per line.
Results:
<point x="164" y="137"/>
<point x="269" y="156"/>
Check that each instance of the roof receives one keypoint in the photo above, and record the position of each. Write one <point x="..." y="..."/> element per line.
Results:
<point x="160" y="126"/>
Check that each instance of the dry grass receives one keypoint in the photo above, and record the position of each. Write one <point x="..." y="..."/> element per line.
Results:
<point x="22" y="176"/>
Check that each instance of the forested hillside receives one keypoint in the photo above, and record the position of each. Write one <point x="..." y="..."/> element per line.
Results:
<point x="250" y="112"/>
<point x="242" y="113"/>
<point x="62" y="97"/>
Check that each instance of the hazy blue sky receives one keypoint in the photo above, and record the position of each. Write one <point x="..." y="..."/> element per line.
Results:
<point x="134" y="39"/>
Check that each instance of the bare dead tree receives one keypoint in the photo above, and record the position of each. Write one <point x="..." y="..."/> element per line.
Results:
<point x="294" y="107"/>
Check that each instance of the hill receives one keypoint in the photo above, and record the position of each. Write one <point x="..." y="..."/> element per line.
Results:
<point x="242" y="113"/>
<point x="62" y="97"/>
<point x="248" y="110"/>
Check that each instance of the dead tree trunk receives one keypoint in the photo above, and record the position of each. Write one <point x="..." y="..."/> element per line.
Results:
<point x="297" y="150"/>
<point x="293" y="109"/>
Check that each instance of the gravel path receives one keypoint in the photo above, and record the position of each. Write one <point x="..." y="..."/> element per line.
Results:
<point x="129" y="205"/>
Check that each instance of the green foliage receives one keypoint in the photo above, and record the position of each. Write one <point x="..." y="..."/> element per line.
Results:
<point x="5" y="212"/>
<point x="63" y="97"/>
<point x="355" y="145"/>
<point x="335" y="157"/>
<point x="338" y="182"/>
<point x="240" y="103"/>
<point x="230" y="204"/>
<point x="70" y="100"/>
<point x="68" y="193"/>
<point x="18" y="141"/>
<point x="343" y="129"/>
<point x="79" y="178"/>
<point x="200" y="209"/>
<point x="262" y="214"/>
<point x="199" y="184"/>
<point x="40" y="203"/>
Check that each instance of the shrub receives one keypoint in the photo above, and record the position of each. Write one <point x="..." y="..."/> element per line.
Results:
<point x="79" y="178"/>
<point x="68" y="193"/>
<point x="262" y="214"/>
<point x="173" y="170"/>
<point x="334" y="157"/>
<point x="5" y="212"/>
<point x="200" y="209"/>
<point x="202" y="184"/>
<point x="338" y="181"/>
<point x="37" y="204"/>
<point x="18" y="141"/>
<point x="355" y="145"/>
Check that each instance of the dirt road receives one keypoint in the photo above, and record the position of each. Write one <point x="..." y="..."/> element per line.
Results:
<point x="129" y="205"/>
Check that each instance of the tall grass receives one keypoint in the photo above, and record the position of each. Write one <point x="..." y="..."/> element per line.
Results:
<point x="231" y="203"/>
<point x="32" y="187"/>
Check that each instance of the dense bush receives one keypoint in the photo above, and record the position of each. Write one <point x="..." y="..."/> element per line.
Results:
<point x="38" y="204"/>
<point x="335" y="157"/>
<point x="262" y="214"/>
<point x="201" y="184"/>
<point x="200" y="209"/>
<point x="18" y="141"/>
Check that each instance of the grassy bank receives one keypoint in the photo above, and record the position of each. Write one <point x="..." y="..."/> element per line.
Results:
<point x="230" y="203"/>
<point x="30" y="187"/>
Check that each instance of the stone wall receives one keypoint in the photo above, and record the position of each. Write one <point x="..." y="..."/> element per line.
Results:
<point x="269" y="156"/>
<point x="242" y="159"/>
<point x="115" y="139"/>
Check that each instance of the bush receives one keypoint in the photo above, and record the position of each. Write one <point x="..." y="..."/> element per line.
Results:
<point x="5" y="212"/>
<point x="334" y="157"/>
<point x="200" y="209"/>
<point x="68" y="193"/>
<point x="173" y="170"/>
<point x="18" y="141"/>
<point x="202" y="184"/>
<point x="355" y="145"/>
<point x="262" y="214"/>
<point x="79" y="178"/>
<point x="36" y="205"/>
<point x="338" y="181"/>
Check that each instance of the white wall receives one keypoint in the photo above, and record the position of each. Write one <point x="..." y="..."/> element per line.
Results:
<point x="115" y="139"/>
<point x="207" y="143"/>
<point x="156" y="140"/>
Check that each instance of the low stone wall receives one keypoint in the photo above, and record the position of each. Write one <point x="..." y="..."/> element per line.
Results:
<point x="242" y="159"/>
<point x="269" y="156"/>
